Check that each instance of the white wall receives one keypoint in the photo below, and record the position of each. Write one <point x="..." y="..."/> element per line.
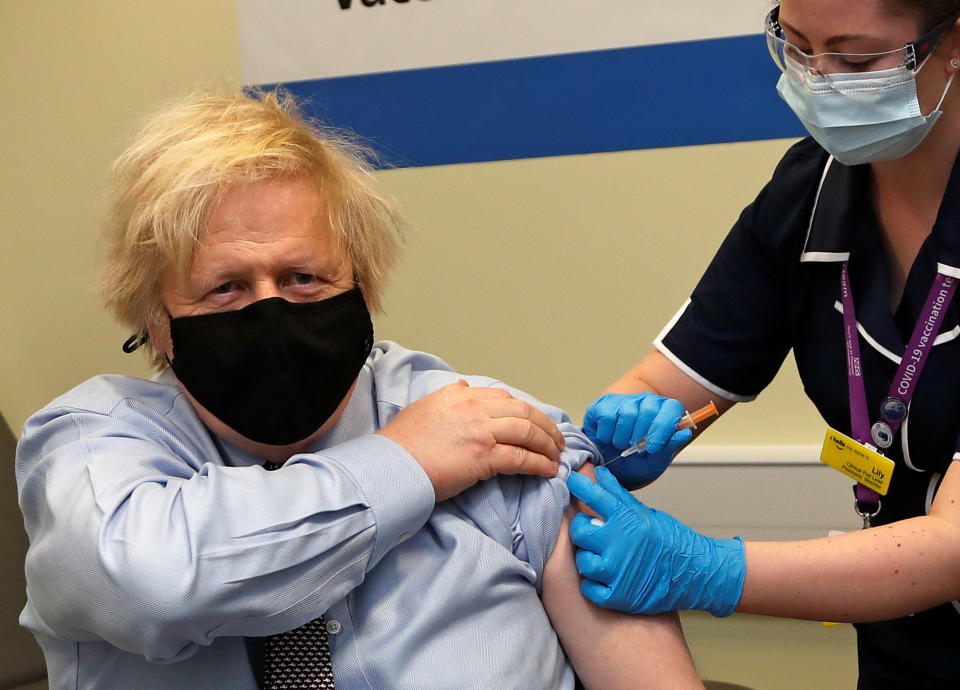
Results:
<point x="76" y="77"/>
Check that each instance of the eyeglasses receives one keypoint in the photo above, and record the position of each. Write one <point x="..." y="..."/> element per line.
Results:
<point x="794" y="62"/>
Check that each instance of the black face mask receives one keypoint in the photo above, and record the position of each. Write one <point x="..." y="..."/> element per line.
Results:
<point x="275" y="370"/>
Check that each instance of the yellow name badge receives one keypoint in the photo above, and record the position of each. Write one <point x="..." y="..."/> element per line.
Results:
<point x="858" y="462"/>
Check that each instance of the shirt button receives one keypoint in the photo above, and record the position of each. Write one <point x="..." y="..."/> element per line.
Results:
<point x="334" y="627"/>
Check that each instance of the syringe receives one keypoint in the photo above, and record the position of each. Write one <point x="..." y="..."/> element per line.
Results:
<point x="689" y="419"/>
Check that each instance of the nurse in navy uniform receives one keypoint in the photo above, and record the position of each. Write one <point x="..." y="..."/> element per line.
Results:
<point x="850" y="257"/>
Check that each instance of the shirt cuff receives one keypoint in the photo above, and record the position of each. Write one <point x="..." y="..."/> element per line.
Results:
<point x="395" y="487"/>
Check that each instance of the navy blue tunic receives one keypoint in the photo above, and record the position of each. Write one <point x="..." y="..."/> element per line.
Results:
<point x="775" y="285"/>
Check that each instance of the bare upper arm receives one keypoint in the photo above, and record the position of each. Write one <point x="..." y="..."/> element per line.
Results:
<point x="947" y="503"/>
<point x="610" y="649"/>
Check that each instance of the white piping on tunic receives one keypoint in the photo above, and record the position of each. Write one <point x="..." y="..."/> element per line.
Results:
<point x="903" y="441"/>
<point x="931" y="491"/>
<point x="869" y="338"/>
<point x="689" y="371"/>
<point x="819" y="256"/>
<point x="672" y="322"/>
<point x="947" y="270"/>
<point x="952" y="334"/>
<point x="824" y="257"/>
<point x="956" y="604"/>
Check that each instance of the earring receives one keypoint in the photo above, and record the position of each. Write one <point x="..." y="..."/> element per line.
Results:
<point x="955" y="63"/>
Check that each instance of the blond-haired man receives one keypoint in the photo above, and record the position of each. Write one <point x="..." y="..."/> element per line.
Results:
<point x="412" y="528"/>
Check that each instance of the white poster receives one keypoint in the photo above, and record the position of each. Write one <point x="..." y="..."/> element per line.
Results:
<point x="295" y="40"/>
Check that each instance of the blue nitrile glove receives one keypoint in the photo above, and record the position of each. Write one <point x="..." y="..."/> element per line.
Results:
<point x="643" y="561"/>
<point x="614" y="422"/>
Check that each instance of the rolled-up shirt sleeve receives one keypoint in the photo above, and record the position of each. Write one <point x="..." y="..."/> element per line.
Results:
<point x="138" y="541"/>
<point x="534" y="506"/>
<point x="541" y="503"/>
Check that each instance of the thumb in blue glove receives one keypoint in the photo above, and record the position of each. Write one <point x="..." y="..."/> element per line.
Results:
<point x="641" y="560"/>
<point x="614" y="422"/>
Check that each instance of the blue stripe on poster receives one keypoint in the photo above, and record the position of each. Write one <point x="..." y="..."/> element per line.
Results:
<point x="676" y="94"/>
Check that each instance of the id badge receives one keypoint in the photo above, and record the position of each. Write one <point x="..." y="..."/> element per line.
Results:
<point x="857" y="461"/>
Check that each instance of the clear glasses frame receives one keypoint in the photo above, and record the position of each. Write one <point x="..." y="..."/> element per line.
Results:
<point x="789" y="58"/>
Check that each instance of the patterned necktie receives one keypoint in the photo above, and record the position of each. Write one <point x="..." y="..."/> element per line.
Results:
<point x="300" y="658"/>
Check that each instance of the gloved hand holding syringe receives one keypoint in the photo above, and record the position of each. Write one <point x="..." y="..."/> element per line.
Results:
<point x="648" y="428"/>
<point x="687" y="421"/>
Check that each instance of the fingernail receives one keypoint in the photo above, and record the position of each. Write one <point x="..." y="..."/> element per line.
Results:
<point x="597" y="522"/>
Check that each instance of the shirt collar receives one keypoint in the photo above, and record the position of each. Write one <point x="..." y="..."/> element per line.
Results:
<point x="359" y="416"/>
<point x="834" y="213"/>
<point x="839" y="204"/>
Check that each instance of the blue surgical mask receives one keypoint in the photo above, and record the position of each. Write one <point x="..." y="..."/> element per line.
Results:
<point x="863" y="117"/>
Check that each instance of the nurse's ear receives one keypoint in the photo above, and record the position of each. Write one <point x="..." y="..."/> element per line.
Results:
<point x="950" y="43"/>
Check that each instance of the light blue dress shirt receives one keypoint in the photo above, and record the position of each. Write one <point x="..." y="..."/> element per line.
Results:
<point x="155" y="547"/>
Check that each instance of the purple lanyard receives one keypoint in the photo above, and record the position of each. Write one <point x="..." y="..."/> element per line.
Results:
<point x="895" y="406"/>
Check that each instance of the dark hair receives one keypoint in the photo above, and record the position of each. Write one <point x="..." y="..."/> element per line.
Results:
<point x="929" y="13"/>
